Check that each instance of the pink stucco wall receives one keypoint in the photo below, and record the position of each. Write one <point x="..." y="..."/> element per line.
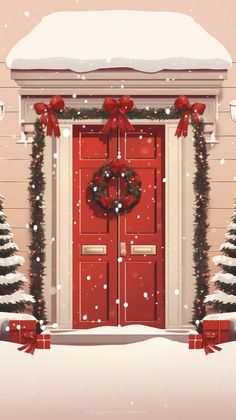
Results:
<point x="216" y="17"/>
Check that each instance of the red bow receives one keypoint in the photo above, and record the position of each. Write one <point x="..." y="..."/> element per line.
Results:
<point x="209" y="344"/>
<point x="30" y="344"/>
<point x="117" y="110"/>
<point x="48" y="116"/>
<point x="182" y="102"/>
<point x="118" y="166"/>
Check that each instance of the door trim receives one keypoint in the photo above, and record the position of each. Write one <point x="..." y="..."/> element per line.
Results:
<point x="173" y="225"/>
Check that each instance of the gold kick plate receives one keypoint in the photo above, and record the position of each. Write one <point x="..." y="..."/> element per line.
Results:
<point x="143" y="250"/>
<point x="94" y="249"/>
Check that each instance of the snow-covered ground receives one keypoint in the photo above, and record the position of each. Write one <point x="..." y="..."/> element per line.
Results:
<point x="153" y="379"/>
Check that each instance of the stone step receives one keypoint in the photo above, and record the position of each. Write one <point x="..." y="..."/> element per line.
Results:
<point x="86" y="337"/>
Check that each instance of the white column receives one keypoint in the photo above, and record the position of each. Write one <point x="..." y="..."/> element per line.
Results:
<point x="64" y="227"/>
<point x="173" y="228"/>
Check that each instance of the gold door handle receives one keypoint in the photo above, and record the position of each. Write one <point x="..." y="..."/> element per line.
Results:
<point x="123" y="251"/>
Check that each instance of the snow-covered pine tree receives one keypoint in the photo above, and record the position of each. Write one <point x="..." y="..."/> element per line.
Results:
<point x="224" y="298"/>
<point x="12" y="296"/>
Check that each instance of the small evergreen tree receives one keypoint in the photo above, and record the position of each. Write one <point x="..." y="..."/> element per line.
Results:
<point x="12" y="296"/>
<point x="224" y="298"/>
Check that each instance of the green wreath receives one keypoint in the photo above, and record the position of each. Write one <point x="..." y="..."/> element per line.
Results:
<point x="100" y="181"/>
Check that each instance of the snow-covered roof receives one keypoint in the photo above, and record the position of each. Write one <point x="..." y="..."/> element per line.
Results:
<point x="147" y="41"/>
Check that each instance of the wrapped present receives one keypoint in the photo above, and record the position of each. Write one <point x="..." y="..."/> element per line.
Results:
<point x="195" y="341"/>
<point x="43" y="341"/>
<point x="21" y="331"/>
<point x="217" y="331"/>
<point x="5" y="317"/>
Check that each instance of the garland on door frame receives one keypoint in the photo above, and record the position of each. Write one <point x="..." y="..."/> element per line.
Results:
<point x="37" y="246"/>
<point x="182" y="111"/>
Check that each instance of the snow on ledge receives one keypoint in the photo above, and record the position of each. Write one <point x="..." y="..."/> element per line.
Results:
<point x="135" y="329"/>
<point x="146" y="41"/>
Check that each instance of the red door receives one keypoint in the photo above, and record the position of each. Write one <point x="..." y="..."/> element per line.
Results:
<point x="118" y="260"/>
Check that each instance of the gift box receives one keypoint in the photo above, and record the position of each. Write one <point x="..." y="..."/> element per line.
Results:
<point x="22" y="332"/>
<point x="216" y="331"/>
<point x="195" y="341"/>
<point x="43" y="341"/>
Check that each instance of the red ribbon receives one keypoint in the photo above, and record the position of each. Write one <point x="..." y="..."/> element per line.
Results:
<point x="117" y="110"/>
<point x="182" y="103"/>
<point x="30" y="344"/>
<point x="209" y="343"/>
<point x="48" y="117"/>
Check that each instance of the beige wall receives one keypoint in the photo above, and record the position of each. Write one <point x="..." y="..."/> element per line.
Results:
<point x="218" y="18"/>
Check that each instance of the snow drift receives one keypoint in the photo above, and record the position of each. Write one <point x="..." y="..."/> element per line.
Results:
<point x="147" y="41"/>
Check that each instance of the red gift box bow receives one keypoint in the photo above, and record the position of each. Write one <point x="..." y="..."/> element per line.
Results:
<point x="48" y="117"/>
<point x="117" y="110"/>
<point x="182" y="103"/>
<point x="209" y="343"/>
<point x="30" y="344"/>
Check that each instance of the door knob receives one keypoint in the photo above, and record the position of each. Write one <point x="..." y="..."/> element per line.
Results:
<point x="123" y="251"/>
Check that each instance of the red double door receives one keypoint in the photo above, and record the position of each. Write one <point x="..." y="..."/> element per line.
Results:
<point x="118" y="260"/>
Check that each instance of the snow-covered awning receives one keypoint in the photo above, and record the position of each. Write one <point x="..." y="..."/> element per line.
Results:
<point x="147" y="41"/>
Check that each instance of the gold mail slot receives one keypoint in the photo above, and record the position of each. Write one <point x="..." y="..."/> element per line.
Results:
<point x="94" y="249"/>
<point x="143" y="249"/>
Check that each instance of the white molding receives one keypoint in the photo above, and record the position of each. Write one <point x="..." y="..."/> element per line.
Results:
<point x="47" y="169"/>
<point x="36" y="82"/>
<point x="173" y="229"/>
<point x="64" y="229"/>
<point x="28" y="114"/>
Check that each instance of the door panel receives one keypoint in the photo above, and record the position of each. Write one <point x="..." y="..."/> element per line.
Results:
<point x="108" y="290"/>
<point x="141" y="285"/>
<point x="140" y="291"/>
<point x="94" y="275"/>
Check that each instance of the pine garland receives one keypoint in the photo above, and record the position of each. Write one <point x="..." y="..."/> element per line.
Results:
<point x="135" y="113"/>
<point x="37" y="247"/>
<point x="200" y="184"/>
<point x="201" y="187"/>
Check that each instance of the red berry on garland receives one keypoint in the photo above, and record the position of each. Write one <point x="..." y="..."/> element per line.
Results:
<point x="99" y="179"/>
<point x="106" y="201"/>
<point x="128" y="200"/>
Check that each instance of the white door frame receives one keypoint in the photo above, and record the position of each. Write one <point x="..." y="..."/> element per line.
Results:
<point x="58" y="290"/>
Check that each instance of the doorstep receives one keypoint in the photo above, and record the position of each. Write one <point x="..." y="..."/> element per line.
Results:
<point x="115" y="335"/>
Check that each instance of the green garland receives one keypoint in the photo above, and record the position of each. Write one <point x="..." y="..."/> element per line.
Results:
<point x="201" y="189"/>
<point x="37" y="247"/>
<point x="200" y="185"/>
<point x="135" y="113"/>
